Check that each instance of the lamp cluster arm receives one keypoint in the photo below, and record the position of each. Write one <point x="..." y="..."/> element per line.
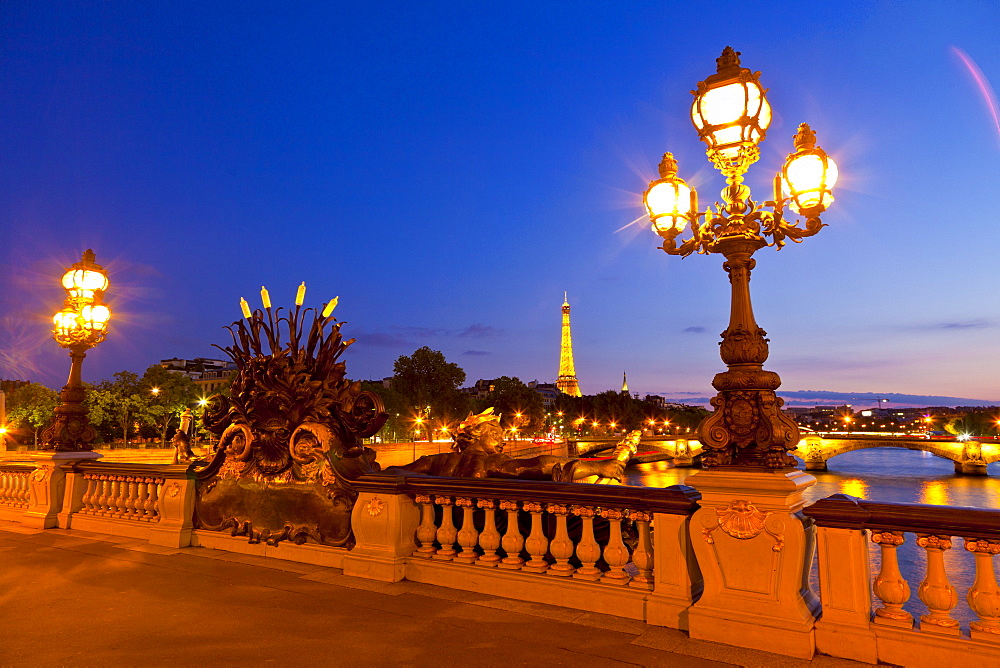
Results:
<point x="731" y="114"/>
<point x="738" y="214"/>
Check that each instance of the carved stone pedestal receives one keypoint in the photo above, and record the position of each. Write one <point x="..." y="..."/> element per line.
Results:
<point x="384" y="526"/>
<point x="754" y="549"/>
<point x="47" y="483"/>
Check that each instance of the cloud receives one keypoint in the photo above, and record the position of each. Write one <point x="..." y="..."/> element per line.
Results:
<point x="477" y="353"/>
<point x="478" y="331"/>
<point x="972" y="324"/>
<point x="979" y="323"/>
<point x="694" y="330"/>
<point x="381" y="339"/>
<point x="399" y="336"/>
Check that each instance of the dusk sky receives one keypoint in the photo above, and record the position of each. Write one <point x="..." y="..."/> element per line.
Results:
<point x="449" y="169"/>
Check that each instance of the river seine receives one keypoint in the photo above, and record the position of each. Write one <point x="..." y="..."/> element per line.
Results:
<point x="885" y="474"/>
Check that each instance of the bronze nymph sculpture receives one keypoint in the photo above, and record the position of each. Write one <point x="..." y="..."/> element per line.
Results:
<point x="478" y="453"/>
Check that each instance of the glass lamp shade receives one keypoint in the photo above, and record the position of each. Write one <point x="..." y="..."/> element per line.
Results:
<point x="65" y="323"/>
<point x="85" y="278"/>
<point x="669" y="202"/>
<point x="95" y="318"/>
<point x="807" y="180"/>
<point x="732" y="118"/>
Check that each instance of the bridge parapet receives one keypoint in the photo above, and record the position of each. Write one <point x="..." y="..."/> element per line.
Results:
<point x="848" y="629"/>
<point x="970" y="457"/>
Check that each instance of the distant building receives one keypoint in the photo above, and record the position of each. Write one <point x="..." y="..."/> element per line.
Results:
<point x="549" y="391"/>
<point x="656" y="400"/>
<point x="209" y="375"/>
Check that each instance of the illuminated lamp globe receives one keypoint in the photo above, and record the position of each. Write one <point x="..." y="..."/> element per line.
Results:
<point x="85" y="278"/>
<point x="95" y="318"/>
<point x="809" y="174"/>
<point x="669" y="200"/>
<point x="65" y="323"/>
<point x="731" y="113"/>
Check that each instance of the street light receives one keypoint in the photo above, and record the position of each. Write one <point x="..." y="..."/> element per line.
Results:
<point x="731" y="115"/>
<point x="81" y="324"/>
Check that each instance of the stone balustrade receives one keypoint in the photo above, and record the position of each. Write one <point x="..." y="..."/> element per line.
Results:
<point x="568" y="542"/>
<point x="153" y="501"/>
<point x="893" y="634"/>
<point x="15" y="489"/>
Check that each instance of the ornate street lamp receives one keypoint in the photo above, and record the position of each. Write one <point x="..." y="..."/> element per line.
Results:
<point x="731" y="115"/>
<point x="79" y="326"/>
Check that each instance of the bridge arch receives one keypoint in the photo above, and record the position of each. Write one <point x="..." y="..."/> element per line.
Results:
<point x="969" y="457"/>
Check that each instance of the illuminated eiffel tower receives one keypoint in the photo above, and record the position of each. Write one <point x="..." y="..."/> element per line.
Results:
<point x="566" y="382"/>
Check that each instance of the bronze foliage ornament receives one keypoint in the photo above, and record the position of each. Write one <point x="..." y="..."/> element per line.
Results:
<point x="289" y="433"/>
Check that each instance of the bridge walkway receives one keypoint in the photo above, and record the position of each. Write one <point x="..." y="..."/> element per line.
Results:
<point x="84" y="599"/>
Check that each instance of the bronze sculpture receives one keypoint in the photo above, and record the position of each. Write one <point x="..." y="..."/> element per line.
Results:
<point x="290" y="433"/>
<point x="478" y="453"/>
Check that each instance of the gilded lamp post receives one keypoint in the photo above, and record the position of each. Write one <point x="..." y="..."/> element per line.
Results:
<point x="731" y="114"/>
<point x="79" y="326"/>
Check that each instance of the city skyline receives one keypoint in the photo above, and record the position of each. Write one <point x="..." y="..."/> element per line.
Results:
<point x="449" y="179"/>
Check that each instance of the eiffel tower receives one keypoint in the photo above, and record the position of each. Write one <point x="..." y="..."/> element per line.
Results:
<point x="566" y="382"/>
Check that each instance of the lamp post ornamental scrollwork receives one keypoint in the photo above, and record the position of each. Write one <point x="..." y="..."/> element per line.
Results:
<point x="79" y="326"/>
<point x="731" y="115"/>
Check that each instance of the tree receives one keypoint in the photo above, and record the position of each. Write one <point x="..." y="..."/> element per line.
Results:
<point x="31" y="406"/>
<point x="169" y="393"/>
<point x="119" y="402"/>
<point x="395" y="405"/>
<point x="518" y="405"/>
<point x="427" y="379"/>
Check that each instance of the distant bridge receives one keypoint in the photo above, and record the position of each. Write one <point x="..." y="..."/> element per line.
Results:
<point x="681" y="451"/>
<point x="970" y="457"/>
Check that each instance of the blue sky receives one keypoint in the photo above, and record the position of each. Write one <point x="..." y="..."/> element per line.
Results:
<point x="449" y="169"/>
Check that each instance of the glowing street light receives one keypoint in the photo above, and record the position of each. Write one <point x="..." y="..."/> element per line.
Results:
<point x="81" y="324"/>
<point x="731" y="115"/>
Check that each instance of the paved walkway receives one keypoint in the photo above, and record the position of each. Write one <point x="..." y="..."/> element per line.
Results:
<point x="81" y="599"/>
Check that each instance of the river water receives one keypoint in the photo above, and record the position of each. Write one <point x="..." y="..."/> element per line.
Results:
<point x="884" y="474"/>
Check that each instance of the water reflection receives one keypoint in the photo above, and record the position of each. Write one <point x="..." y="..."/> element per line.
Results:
<point x="935" y="493"/>
<point x="855" y="487"/>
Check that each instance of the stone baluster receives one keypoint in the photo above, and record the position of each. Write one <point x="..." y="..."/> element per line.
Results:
<point x="153" y="502"/>
<point x="121" y="497"/>
<point x="536" y="544"/>
<point x="513" y="541"/>
<point x="642" y="556"/>
<point x="447" y="534"/>
<point x="489" y="539"/>
<point x="427" y="530"/>
<point x="561" y="546"/>
<point x="90" y="494"/>
<point x="889" y="586"/>
<point x="588" y="551"/>
<point x="984" y="595"/>
<point x="6" y="487"/>
<point x="615" y="552"/>
<point x="141" y="492"/>
<point x="130" y="498"/>
<point x="467" y="536"/>
<point x="935" y="591"/>
<point x="102" y="498"/>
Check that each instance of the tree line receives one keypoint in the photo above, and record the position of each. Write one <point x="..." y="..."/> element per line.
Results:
<point x="424" y="400"/>
<point x="125" y="408"/>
